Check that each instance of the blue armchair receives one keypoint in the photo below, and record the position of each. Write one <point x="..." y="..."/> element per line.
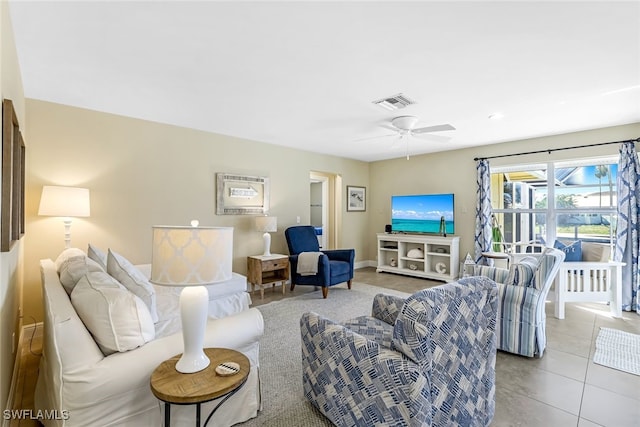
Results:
<point x="334" y="266"/>
<point x="427" y="360"/>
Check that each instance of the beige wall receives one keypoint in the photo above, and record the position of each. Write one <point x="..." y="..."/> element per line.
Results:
<point x="10" y="262"/>
<point x="142" y="173"/>
<point x="455" y="172"/>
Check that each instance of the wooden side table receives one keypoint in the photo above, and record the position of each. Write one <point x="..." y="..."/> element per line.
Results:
<point x="173" y="387"/>
<point x="264" y="270"/>
<point x="497" y="255"/>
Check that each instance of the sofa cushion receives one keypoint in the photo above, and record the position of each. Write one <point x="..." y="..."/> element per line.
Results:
<point x="74" y="268"/>
<point x="572" y="251"/>
<point x="133" y="279"/>
<point x="522" y="273"/>
<point x="97" y="255"/>
<point x="118" y="320"/>
<point x="65" y="255"/>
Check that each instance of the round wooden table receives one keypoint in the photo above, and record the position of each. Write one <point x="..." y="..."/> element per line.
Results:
<point x="173" y="387"/>
<point x="497" y="255"/>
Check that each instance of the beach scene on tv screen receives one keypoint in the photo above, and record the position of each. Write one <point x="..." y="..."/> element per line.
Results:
<point x="422" y="213"/>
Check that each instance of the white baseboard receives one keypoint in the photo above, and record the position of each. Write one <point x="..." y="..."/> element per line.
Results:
<point x="363" y="264"/>
<point x="26" y="331"/>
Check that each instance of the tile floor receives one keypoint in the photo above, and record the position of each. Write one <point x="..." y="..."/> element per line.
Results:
<point x="564" y="388"/>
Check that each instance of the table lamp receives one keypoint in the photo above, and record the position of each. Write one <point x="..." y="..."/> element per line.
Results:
<point x="192" y="257"/>
<point x="65" y="202"/>
<point x="266" y="224"/>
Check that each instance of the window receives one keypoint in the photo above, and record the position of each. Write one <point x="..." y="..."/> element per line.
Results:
<point x="584" y="201"/>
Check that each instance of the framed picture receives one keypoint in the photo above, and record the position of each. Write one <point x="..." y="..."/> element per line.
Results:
<point x="356" y="198"/>
<point x="241" y="194"/>
<point x="13" y="179"/>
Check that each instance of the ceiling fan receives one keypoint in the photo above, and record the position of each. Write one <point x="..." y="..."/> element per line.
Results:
<point x="405" y="127"/>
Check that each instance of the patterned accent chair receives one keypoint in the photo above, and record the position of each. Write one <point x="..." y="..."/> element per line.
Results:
<point x="427" y="360"/>
<point x="523" y="289"/>
<point x="334" y="266"/>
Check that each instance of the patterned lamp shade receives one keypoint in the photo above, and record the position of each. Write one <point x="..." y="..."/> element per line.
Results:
<point x="266" y="224"/>
<point x="191" y="256"/>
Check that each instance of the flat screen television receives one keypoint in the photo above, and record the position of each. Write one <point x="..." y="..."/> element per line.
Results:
<point x="422" y="213"/>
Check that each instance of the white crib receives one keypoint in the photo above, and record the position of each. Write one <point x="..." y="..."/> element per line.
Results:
<point x="588" y="282"/>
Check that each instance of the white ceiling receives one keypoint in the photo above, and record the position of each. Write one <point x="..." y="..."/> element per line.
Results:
<point x="304" y="74"/>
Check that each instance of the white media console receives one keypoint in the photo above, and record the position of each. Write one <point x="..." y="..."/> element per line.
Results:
<point x="440" y="255"/>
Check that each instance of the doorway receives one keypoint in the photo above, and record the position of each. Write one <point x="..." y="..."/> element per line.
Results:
<point x="325" y="196"/>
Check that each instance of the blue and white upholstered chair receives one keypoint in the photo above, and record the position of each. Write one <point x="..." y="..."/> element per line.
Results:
<point x="427" y="360"/>
<point x="523" y="289"/>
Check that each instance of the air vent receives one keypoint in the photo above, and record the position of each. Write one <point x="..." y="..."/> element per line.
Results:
<point x="394" y="102"/>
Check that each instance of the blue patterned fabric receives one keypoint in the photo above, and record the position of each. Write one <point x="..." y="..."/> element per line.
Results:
<point x="372" y="329"/>
<point x="484" y="212"/>
<point x="627" y="238"/>
<point x="387" y="307"/>
<point x="437" y="370"/>
<point x="521" y="315"/>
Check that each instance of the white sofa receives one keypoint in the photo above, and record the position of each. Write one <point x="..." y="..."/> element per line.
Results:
<point x="78" y="385"/>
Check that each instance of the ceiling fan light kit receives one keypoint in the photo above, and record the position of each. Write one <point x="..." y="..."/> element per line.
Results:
<point x="404" y="122"/>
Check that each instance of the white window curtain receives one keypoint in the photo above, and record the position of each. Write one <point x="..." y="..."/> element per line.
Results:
<point x="627" y="235"/>
<point x="484" y="212"/>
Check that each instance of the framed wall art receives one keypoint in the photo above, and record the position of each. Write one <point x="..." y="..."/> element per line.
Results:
<point x="241" y="194"/>
<point x="13" y="179"/>
<point x="356" y="198"/>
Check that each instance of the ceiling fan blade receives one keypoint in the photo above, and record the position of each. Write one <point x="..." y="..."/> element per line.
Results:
<point x="390" y="127"/>
<point x="374" y="137"/>
<point x="430" y="137"/>
<point x="436" y="128"/>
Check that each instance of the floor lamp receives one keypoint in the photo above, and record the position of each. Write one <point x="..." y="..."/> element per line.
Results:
<point x="192" y="257"/>
<point x="65" y="202"/>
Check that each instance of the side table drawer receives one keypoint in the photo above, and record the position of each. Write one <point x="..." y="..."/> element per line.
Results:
<point x="275" y="264"/>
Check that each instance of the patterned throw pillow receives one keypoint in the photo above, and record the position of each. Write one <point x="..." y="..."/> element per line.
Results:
<point x="523" y="272"/>
<point x="572" y="252"/>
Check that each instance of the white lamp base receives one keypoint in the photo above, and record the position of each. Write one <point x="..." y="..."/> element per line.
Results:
<point x="193" y="313"/>
<point x="267" y="244"/>
<point x="67" y="233"/>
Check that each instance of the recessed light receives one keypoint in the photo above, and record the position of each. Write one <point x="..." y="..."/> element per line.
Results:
<point x="496" y="116"/>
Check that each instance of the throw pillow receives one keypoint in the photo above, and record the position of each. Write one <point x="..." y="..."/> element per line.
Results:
<point x="118" y="320"/>
<point x="522" y="273"/>
<point x="126" y="273"/>
<point x="595" y="252"/>
<point x="73" y="269"/>
<point x="65" y="255"/>
<point x="572" y="252"/>
<point x="97" y="255"/>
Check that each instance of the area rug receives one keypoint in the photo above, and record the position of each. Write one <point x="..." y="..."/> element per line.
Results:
<point x="618" y="350"/>
<point x="280" y="356"/>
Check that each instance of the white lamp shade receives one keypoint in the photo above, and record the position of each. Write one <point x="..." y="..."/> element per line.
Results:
<point x="64" y="201"/>
<point x="191" y="256"/>
<point x="266" y="224"/>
